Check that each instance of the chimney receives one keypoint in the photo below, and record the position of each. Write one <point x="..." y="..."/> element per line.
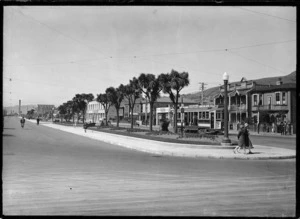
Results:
<point x="279" y="81"/>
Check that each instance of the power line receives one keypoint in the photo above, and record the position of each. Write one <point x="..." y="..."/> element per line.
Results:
<point x="216" y="50"/>
<point x="253" y="60"/>
<point x="59" y="32"/>
<point x="266" y="14"/>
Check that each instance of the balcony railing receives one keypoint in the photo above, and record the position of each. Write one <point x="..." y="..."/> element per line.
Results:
<point x="269" y="107"/>
<point x="238" y="107"/>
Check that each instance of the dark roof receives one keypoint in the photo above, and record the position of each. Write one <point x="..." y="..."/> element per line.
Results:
<point x="236" y="91"/>
<point x="266" y="88"/>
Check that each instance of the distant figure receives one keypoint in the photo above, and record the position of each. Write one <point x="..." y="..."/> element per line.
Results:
<point x="38" y="120"/>
<point x="264" y="127"/>
<point x="282" y="128"/>
<point x="22" y="122"/>
<point x="75" y="123"/>
<point x="289" y="129"/>
<point x="85" y="125"/>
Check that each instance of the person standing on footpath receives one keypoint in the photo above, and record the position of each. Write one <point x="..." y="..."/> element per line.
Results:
<point x="281" y="128"/>
<point x="22" y="122"/>
<point x="38" y="120"/>
<point x="285" y="128"/>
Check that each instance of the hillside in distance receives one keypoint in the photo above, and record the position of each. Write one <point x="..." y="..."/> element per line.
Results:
<point x="209" y="93"/>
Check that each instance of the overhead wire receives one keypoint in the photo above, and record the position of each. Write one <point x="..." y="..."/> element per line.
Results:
<point x="253" y="60"/>
<point x="266" y="14"/>
<point x="59" y="32"/>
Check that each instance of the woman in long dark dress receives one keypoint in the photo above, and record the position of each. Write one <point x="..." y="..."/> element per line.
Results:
<point x="248" y="143"/>
<point x="241" y="139"/>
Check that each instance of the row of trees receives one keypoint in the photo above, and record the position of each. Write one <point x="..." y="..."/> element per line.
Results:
<point x="148" y="84"/>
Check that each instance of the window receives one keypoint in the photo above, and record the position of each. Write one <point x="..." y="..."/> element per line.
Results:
<point x="283" y="97"/>
<point x="200" y="115"/>
<point x="269" y="100"/>
<point x="218" y="115"/>
<point x="255" y="100"/>
<point x="277" y="98"/>
<point x="260" y="100"/>
<point x="207" y="115"/>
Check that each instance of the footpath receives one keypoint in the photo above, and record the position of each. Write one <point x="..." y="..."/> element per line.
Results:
<point x="176" y="149"/>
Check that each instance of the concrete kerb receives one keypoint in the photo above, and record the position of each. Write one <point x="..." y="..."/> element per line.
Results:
<point x="175" y="149"/>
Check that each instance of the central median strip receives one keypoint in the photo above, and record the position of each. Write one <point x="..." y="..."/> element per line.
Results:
<point x="177" y="149"/>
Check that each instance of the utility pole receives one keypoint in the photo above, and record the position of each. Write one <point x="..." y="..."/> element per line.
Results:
<point x="202" y="91"/>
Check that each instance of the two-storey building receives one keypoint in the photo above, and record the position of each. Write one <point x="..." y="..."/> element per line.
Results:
<point x="277" y="101"/>
<point x="239" y="98"/>
<point x="95" y="112"/>
<point x="162" y="109"/>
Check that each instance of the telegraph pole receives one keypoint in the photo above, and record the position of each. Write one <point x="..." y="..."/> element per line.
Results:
<point x="202" y="91"/>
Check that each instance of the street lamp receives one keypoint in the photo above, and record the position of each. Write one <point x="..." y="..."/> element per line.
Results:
<point x="226" y="140"/>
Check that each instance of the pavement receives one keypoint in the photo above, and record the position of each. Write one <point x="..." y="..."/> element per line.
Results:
<point x="260" y="152"/>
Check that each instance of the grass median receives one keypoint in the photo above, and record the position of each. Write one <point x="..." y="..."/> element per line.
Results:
<point x="187" y="138"/>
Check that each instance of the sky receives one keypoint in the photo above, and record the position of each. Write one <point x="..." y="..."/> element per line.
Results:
<point x="51" y="53"/>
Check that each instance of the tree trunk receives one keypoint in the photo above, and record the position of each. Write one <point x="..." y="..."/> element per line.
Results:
<point x="151" y="115"/>
<point x="175" y="118"/>
<point x="131" y="117"/>
<point x="83" y="116"/>
<point x="117" y="116"/>
<point x="106" y="112"/>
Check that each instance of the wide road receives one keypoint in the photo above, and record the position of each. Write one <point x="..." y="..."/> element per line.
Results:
<point x="50" y="172"/>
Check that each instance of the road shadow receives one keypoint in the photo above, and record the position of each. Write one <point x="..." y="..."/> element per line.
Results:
<point x="9" y="128"/>
<point x="256" y="153"/>
<point x="8" y="135"/>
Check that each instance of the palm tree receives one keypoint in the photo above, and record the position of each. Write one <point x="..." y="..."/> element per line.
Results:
<point x="81" y="101"/>
<point x="151" y="87"/>
<point x="104" y="101"/>
<point x="172" y="83"/>
<point x="62" y="111"/>
<point x="115" y="96"/>
<point x="132" y="92"/>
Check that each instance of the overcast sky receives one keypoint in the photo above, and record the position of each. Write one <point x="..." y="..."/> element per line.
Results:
<point x="52" y="53"/>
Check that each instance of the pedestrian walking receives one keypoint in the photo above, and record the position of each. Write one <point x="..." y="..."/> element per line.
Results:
<point x="85" y="125"/>
<point x="248" y="142"/>
<point x="38" y="120"/>
<point x="241" y="139"/>
<point x="22" y="122"/>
